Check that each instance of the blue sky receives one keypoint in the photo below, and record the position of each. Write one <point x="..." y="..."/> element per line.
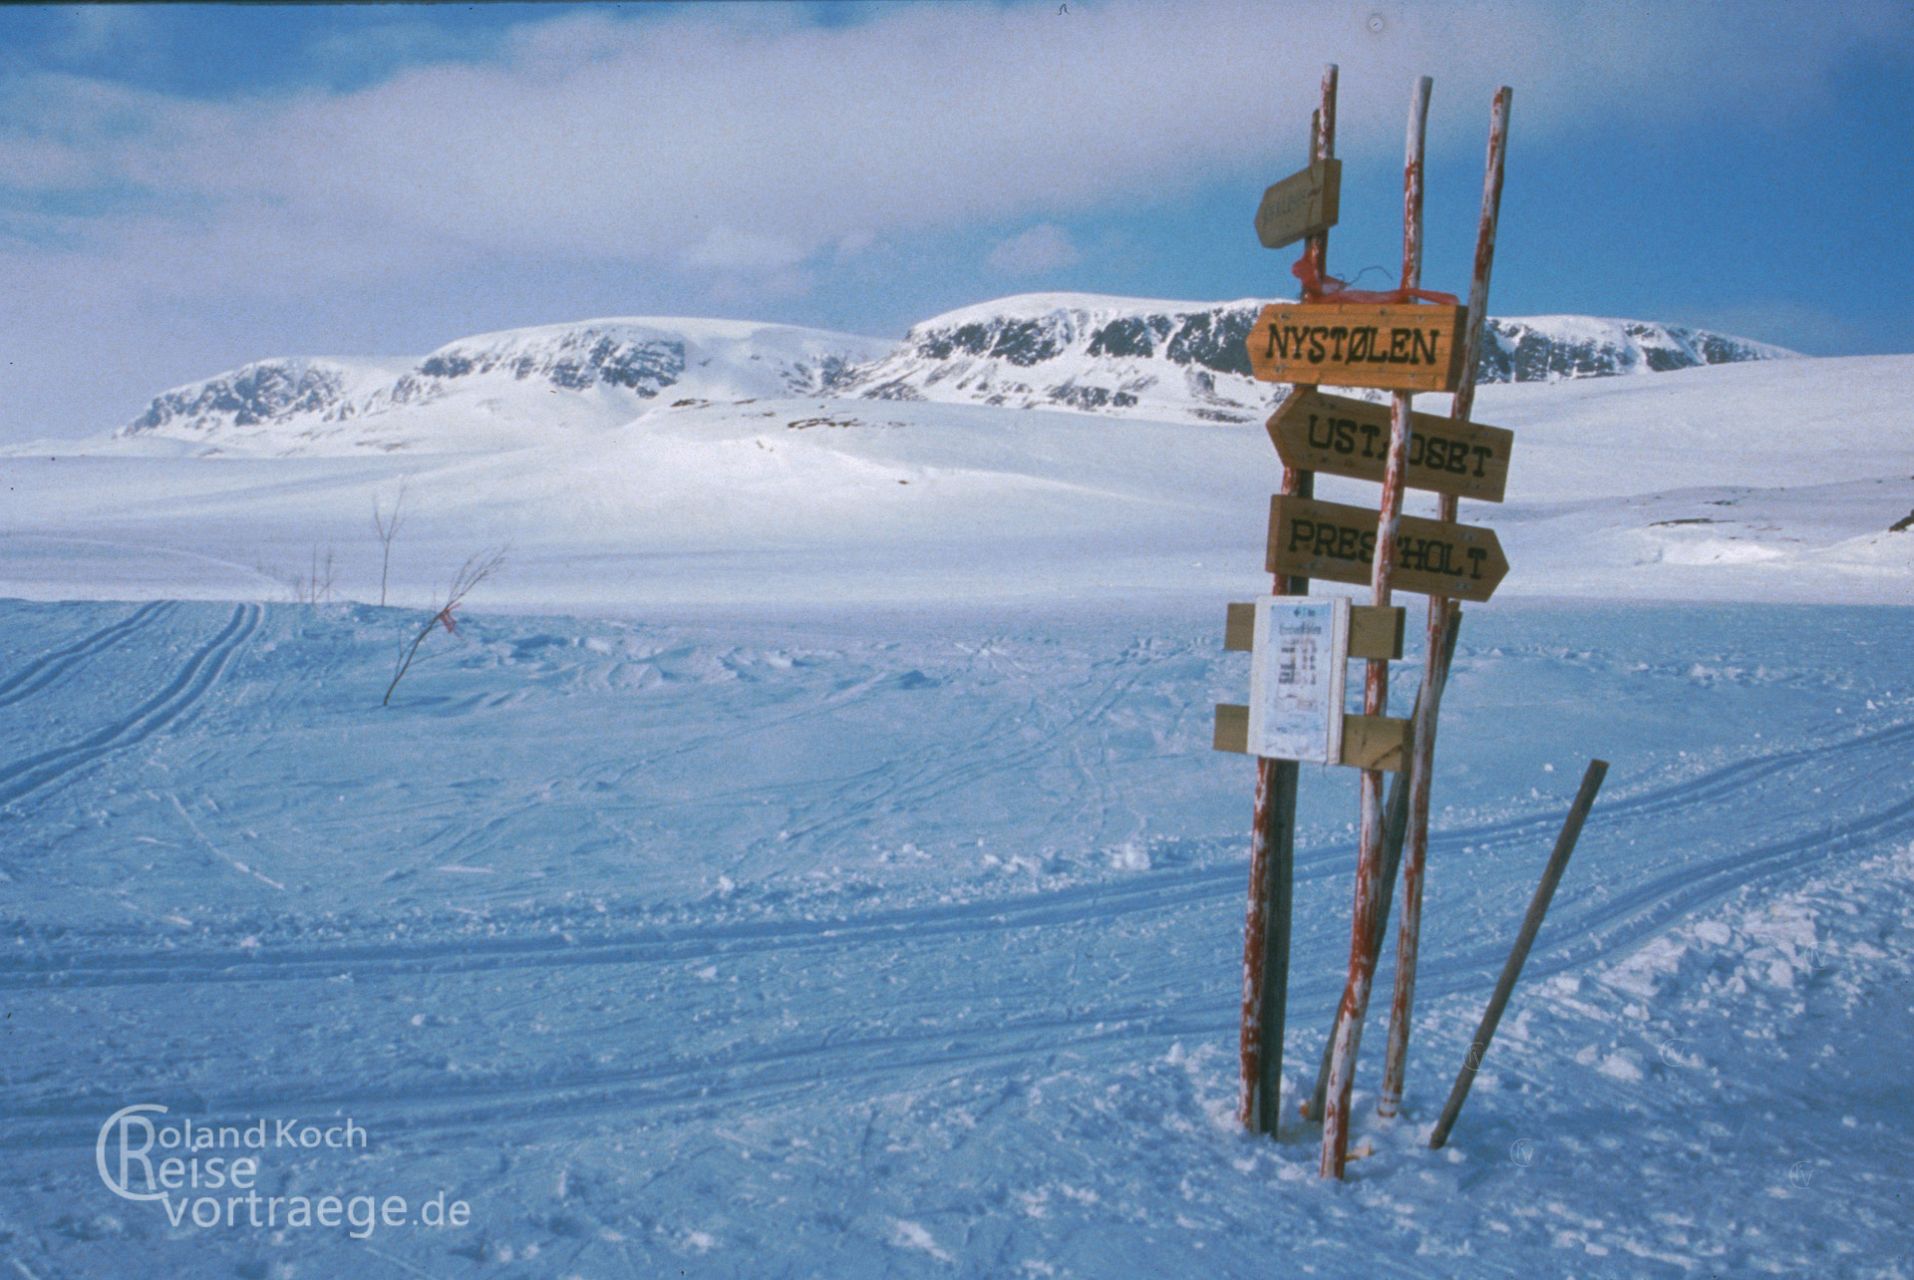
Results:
<point x="185" y="188"/>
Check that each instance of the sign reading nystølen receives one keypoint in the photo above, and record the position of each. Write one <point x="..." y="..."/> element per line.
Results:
<point x="1392" y="346"/>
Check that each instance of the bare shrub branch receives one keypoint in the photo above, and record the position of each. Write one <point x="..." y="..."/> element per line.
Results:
<point x="474" y="571"/>
<point x="387" y="526"/>
<point x="315" y="586"/>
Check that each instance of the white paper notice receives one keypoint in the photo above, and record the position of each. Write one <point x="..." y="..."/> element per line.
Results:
<point x="1296" y="674"/>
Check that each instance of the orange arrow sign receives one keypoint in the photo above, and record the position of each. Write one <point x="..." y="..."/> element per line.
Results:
<point x="1398" y="346"/>
<point x="1315" y="431"/>
<point x="1329" y="540"/>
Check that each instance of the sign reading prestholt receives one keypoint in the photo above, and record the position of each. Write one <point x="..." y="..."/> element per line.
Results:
<point x="1342" y="436"/>
<point x="1329" y="540"/>
<point x="1300" y="205"/>
<point x="1298" y="661"/>
<point x="1394" y="346"/>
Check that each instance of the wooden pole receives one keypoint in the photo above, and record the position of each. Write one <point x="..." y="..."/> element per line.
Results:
<point x="1272" y="847"/>
<point x="1395" y="822"/>
<point x="1442" y="621"/>
<point x="1355" y="998"/>
<point x="1519" y="953"/>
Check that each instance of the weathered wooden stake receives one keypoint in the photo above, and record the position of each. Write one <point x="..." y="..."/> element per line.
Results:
<point x="1272" y="847"/>
<point x="1394" y="823"/>
<point x="1519" y="953"/>
<point x="1442" y="615"/>
<point x="1355" y="998"/>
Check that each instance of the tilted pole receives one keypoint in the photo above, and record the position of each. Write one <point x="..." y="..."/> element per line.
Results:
<point x="1519" y="953"/>
<point x="1375" y="694"/>
<point x="1441" y="647"/>
<point x="1272" y="848"/>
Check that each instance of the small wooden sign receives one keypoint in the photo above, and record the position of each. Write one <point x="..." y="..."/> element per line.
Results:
<point x="1375" y="631"/>
<point x="1368" y="742"/>
<point x="1337" y="542"/>
<point x="1342" y="436"/>
<point x="1394" y="346"/>
<point x="1300" y="205"/>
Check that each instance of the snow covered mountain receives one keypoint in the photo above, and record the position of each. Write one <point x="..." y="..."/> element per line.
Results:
<point x="1141" y="358"/>
<point x="1186" y="360"/>
<point x="495" y="387"/>
<point x="1689" y="485"/>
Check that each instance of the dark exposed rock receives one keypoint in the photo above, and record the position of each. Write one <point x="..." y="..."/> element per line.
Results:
<point x="249" y="396"/>
<point x="1090" y="354"/>
<point x="1215" y="339"/>
<point x="574" y="363"/>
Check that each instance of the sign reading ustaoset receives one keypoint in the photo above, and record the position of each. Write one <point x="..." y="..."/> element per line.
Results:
<point x="1343" y="436"/>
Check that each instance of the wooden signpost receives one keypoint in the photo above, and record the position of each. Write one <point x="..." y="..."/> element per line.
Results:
<point x="1344" y="436"/>
<point x="1404" y="340"/>
<point x="1393" y="346"/>
<point x="1338" y="542"/>
<point x="1301" y="205"/>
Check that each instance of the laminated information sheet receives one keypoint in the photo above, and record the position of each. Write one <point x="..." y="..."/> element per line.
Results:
<point x="1298" y="664"/>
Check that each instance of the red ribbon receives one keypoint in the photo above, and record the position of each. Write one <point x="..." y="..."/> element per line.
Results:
<point x="1318" y="287"/>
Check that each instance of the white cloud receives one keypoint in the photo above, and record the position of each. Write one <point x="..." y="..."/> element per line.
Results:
<point x="740" y="140"/>
<point x="1035" y="251"/>
<point x="751" y="151"/>
<point x="728" y="249"/>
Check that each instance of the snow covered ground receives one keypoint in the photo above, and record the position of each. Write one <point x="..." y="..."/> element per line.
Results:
<point x="907" y="944"/>
<point x="1762" y="481"/>
<point x="807" y="858"/>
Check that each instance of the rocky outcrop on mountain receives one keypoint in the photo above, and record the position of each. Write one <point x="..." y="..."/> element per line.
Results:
<point x="619" y="365"/>
<point x="1189" y="360"/>
<point x="265" y="391"/>
<point x="1078" y="352"/>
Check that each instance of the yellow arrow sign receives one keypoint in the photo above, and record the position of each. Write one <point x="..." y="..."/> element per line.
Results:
<point x="1342" y="436"/>
<point x="1313" y="539"/>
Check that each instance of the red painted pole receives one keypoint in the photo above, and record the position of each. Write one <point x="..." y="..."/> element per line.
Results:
<point x="1375" y="697"/>
<point x="1395" y="822"/>
<point x="1375" y="692"/>
<point x="1273" y="823"/>
<point x="1441" y="622"/>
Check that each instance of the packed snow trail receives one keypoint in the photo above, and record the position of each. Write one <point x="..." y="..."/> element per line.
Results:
<point x="908" y="945"/>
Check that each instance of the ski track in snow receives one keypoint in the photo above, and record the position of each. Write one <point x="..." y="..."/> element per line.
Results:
<point x="43" y="671"/>
<point x="22" y="777"/>
<point x="839" y="981"/>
